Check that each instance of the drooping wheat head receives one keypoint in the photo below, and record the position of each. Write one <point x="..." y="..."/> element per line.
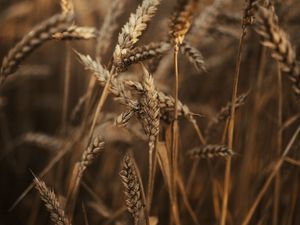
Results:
<point x="36" y="37"/>
<point x="57" y="214"/>
<point x="274" y="38"/>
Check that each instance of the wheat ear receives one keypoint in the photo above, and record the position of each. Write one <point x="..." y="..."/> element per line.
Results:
<point x="57" y="214"/>
<point x="274" y="38"/>
<point x="77" y="33"/>
<point x="67" y="6"/>
<point x="193" y="55"/>
<point x="141" y="53"/>
<point x="88" y="156"/>
<point x="133" y="29"/>
<point x="133" y="189"/>
<point x="149" y="116"/>
<point x="36" y="37"/>
<point x="210" y="151"/>
<point x="224" y="114"/>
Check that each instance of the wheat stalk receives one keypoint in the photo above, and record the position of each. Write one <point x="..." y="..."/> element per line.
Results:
<point x="57" y="214"/>
<point x="36" y="37"/>
<point x="77" y="112"/>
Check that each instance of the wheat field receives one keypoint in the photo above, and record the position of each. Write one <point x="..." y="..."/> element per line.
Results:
<point x="150" y="112"/>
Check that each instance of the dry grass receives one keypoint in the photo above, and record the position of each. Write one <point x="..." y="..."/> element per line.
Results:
<point x="191" y="98"/>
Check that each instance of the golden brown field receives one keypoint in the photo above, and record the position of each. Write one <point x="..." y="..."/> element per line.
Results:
<point x="150" y="112"/>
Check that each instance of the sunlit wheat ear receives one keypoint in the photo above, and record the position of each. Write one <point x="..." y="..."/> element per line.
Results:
<point x="224" y="114"/>
<point x="133" y="29"/>
<point x="182" y="19"/>
<point x="57" y="214"/>
<point x="36" y="37"/>
<point x="193" y="55"/>
<point x="67" y="6"/>
<point x="141" y="53"/>
<point x="77" y="33"/>
<point x="210" y="151"/>
<point x="133" y="189"/>
<point x="274" y="38"/>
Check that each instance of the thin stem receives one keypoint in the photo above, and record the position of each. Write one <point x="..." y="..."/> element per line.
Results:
<point x="275" y="170"/>
<point x="279" y="146"/>
<point x="101" y="102"/>
<point x="231" y="130"/>
<point x="174" y="151"/>
<point x="66" y="88"/>
<point x="152" y="171"/>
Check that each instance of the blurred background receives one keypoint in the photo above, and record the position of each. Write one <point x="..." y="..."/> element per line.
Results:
<point x="32" y="105"/>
